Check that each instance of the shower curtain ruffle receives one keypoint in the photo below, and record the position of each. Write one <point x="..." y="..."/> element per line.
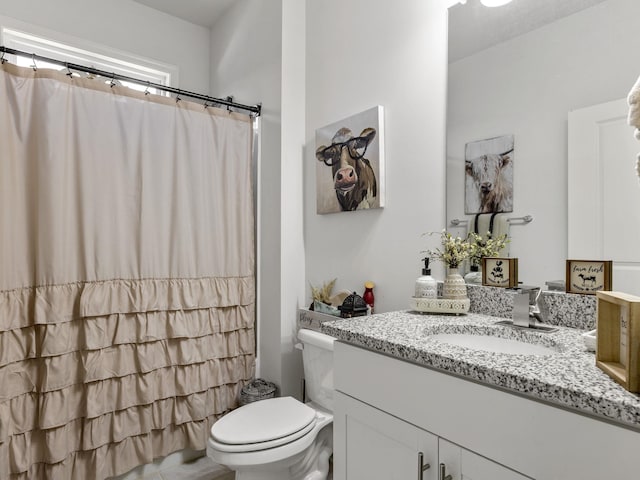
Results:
<point x="127" y="284"/>
<point x="62" y="309"/>
<point x="114" y="458"/>
<point x="113" y="366"/>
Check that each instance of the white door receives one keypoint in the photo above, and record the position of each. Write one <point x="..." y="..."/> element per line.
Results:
<point x="463" y="464"/>
<point x="370" y="444"/>
<point x="604" y="192"/>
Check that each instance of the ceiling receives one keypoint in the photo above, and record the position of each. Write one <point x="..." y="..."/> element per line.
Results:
<point x="200" y="12"/>
<point x="473" y="27"/>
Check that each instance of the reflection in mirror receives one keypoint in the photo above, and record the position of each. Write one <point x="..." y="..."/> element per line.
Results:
<point x="520" y="70"/>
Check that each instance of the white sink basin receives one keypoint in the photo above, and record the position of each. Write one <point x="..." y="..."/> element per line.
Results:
<point x="489" y="343"/>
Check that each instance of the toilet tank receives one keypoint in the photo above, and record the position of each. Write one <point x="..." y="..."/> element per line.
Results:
<point x="317" y="358"/>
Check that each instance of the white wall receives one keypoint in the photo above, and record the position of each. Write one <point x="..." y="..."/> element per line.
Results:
<point x="258" y="55"/>
<point x="246" y="61"/>
<point x="291" y="190"/>
<point x="122" y="25"/>
<point x="267" y="52"/>
<point x="361" y="54"/>
<point x="527" y="86"/>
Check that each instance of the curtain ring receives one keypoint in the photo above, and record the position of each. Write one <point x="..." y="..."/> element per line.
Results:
<point x="113" y="80"/>
<point x="178" y="96"/>
<point x="146" y="90"/>
<point x="69" y="72"/>
<point x="2" y="59"/>
<point x="33" y="59"/>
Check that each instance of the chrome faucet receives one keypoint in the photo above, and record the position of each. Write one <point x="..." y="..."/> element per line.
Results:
<point x="522" y="308"/>
<point x="527" y="312"/>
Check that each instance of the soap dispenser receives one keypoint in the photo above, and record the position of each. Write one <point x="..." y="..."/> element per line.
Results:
<point x="426" y="285"/>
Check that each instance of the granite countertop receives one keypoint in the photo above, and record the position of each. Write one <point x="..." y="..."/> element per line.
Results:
<point x="569" y="378"/>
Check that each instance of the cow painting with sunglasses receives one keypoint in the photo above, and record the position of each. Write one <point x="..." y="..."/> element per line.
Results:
<point x="353" y="177"/>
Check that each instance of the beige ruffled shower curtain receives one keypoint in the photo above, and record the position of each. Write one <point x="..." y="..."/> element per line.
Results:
<point x="126" y="274"/>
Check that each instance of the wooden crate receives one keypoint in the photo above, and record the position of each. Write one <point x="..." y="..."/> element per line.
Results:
<point x="618" y="338"/>
<point x="506" y="269"/>
<point x="586" y="277"/>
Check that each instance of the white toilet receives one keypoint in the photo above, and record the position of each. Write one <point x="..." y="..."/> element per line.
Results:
<point x="282" y="438"/>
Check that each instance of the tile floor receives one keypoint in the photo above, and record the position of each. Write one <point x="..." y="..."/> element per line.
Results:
<point x="198" y="468"/>
<point x="202" y="468"/>
<point x="182" y="465"/>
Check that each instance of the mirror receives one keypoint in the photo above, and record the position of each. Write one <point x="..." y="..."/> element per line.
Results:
<point x="519" y="70"/>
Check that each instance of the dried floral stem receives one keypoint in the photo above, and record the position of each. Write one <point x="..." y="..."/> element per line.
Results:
<point x="454" y="251"/>
<point x="323" y="294"/>
<point x="487" y="246"/>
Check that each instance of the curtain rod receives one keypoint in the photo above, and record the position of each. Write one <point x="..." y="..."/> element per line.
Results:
<point x="227" y="102"/>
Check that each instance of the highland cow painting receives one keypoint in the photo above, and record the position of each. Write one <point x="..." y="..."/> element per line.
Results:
<point x="489" y="175"/>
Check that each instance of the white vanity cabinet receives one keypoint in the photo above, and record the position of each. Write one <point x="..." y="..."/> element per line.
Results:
<point x="375" y="445"/>
<point x="387" y="411"/>
<point x="463" y="464"/>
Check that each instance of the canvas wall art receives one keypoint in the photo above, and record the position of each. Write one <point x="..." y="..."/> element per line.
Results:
<point x="489" y="175"/>
<point x="350" y="163"/>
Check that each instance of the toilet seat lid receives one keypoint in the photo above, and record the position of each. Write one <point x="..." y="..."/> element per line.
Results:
<point x="263" y="421"/>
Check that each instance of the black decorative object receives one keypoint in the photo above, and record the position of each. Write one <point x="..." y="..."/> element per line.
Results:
<point x="353" y="306"/>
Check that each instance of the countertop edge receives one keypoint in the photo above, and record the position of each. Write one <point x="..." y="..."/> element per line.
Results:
<point x="554" y="394"/>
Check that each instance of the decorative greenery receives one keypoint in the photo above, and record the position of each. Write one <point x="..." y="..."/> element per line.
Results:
<point x="485" y="246"/>
<point x="323" y="294"/>
<point x="454" y="251"/>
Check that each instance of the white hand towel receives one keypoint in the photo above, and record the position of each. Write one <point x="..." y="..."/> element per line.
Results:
<point x="634" y="105"/>
<point x="634" y="115"/>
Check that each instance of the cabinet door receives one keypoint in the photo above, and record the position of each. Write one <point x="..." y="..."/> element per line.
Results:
<point x="463" y="464"/>
<point x="372" y="445"/>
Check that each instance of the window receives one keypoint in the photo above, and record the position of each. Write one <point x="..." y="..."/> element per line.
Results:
<point x="101" y="59"/>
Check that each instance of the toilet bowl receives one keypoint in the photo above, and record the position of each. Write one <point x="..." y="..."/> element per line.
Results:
<point x="283" y="438"/>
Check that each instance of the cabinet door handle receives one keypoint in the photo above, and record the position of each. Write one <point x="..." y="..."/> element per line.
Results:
<point x="421" y="465"/>
<point x="443" y="473"/>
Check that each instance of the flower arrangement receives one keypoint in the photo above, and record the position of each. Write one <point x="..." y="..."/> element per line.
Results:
<point x="323" y="294"/>
<point x="485" y="246"/>
<point x="323" y="302"/>
<point x="454" y="251"/>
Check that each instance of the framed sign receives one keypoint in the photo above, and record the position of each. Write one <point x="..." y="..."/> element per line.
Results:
<point x="618" y="338"/>
<point x="588" y="276"/>
<point x="500" y="272"/>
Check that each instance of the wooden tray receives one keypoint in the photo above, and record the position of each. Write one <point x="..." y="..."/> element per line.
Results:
<point x="439" y="305"/>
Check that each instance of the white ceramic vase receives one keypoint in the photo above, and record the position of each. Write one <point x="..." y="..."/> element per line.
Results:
<point x="454" y="286"/>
